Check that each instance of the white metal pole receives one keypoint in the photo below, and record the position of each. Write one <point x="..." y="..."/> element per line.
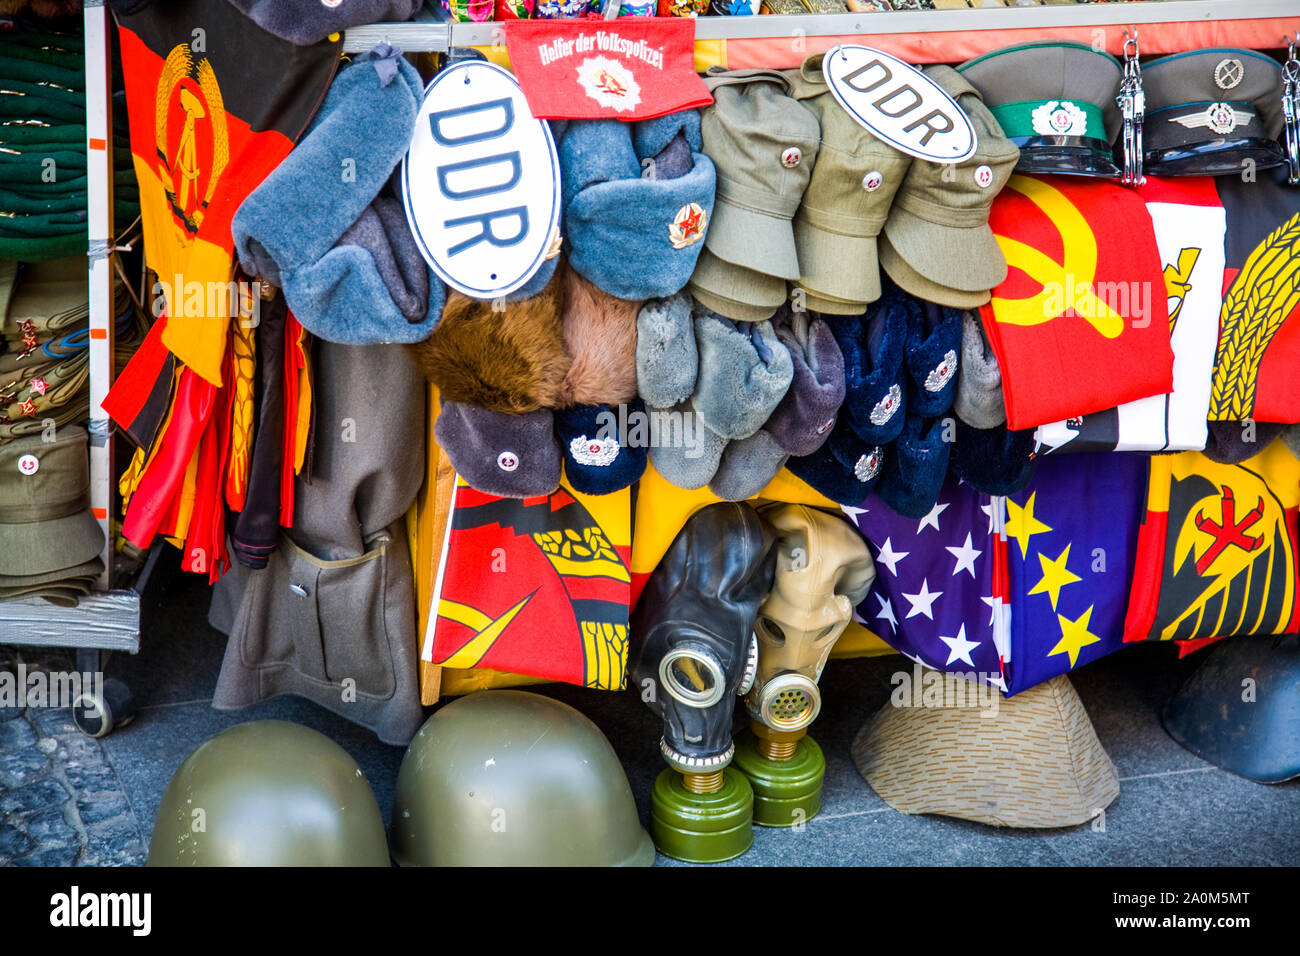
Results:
<point x="99" y="199"/>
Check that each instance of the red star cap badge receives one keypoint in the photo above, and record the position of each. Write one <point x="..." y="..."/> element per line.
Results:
<point x="691" y="222"/>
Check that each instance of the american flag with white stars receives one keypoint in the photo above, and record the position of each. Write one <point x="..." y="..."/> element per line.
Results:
<point x="940" y="591"/>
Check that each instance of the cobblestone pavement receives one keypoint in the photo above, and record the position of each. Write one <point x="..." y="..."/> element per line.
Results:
<point x="61" y="801"/>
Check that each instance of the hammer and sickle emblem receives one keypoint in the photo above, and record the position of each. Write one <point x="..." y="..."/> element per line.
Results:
<point x="1066" y="285"/>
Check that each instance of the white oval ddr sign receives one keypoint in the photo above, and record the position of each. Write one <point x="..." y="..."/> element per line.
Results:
<point x="481" y="181"/>
<point x="899" y="104"/>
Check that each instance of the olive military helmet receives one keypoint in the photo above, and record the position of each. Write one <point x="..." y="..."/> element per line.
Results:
<point x="268" y="793"/>
<point x="508" y="778"/>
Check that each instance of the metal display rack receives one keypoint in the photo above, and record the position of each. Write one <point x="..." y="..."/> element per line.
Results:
<point x="110" y="619"/>
<point x="846" y="27"/>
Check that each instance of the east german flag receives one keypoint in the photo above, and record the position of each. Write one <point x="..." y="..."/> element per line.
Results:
<point x="1259" y="322"/>
<point x="1217" y="552"/>
<point x="537" y="586"/>
<point x="215" y="103"/>
<point x="1071" y="538"/>
<point x="1081" y="323"/>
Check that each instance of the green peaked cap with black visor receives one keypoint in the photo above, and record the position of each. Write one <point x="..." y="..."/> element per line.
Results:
<point x="1056" y="101"/>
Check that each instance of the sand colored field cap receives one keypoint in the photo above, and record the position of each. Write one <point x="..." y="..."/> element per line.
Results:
<point x="938" y="227"/>
<point x="764" y="144"/>
<point x="1035" y="762"/>
<point x="846" y="203"/>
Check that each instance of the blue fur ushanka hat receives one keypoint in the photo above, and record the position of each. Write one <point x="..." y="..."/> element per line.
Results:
<point x="598" y="459"/>
<point x="318" y="227"/>
<point x="845" y="468"/>
<point x="636" y="231"/>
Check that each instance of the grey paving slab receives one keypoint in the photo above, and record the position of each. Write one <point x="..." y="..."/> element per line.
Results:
<point x="1206" y="817"/>
<point x="61" y="802"/>
<point x="1123" y="694"/>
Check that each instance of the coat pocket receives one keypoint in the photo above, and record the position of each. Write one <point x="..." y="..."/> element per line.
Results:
<point x="326" y="619"/>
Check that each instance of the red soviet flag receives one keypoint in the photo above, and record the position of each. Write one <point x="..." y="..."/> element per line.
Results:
<point x="1081" y="322"/>
<point x="629" y="69"/>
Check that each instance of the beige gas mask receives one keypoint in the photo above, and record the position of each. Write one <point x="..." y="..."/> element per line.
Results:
<point x="823" y="570"/>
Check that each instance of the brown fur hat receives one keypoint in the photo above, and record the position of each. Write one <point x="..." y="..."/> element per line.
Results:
<point x="600" y="332"/>
<point x="512" y="361"/>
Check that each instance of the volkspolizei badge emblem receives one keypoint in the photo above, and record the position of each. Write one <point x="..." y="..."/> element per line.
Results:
<point x="942" y="373"/>
<point x="868" y="466"/>
<point x="593" y="451"/>
<point x="1059" y="118"/>
<point x="886" y="407"/>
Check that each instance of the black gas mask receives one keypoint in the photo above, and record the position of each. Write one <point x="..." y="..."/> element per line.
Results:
<point x="692" y="641"/>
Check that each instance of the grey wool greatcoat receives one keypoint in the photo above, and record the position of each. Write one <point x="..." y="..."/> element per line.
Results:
<point x="332" y="617"/>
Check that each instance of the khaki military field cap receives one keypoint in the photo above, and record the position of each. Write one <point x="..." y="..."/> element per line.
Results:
<point x="45" y="518"/>
<point x="53" y="296"/>
<point x="764" y="144"/>
<point x="1054" y="100"/>
<point x="939" y="223"/>
<point x="1035" y="761"/>
<point x="846" y="203"/>
<point x="733" y="291"/>
<point x="896" y="268"/>
<point x="829" y="305"/>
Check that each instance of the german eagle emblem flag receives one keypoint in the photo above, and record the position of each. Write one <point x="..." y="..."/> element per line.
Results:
<point x="536" y="586"/>
<point x="1217" y="552"/>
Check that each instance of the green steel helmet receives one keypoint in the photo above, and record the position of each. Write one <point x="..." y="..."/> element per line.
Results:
<point x="268" y="793"/>
<point x="508" y="778"/>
